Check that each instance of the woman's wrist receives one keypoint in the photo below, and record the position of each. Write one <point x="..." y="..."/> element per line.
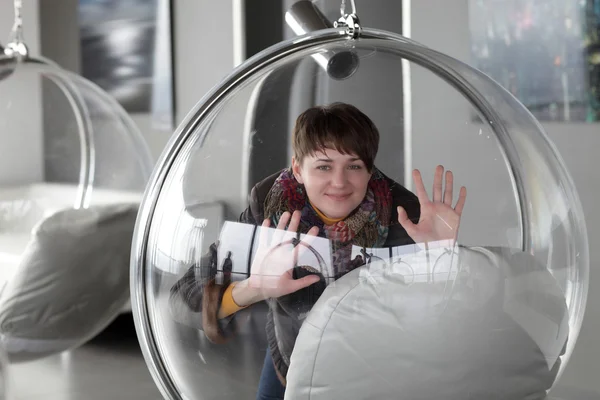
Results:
<point x="244" y="295"/>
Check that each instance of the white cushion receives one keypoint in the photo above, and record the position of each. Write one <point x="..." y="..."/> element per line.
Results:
<point x="72" y="280"/>
<point x="23" y="207"/>
<point x="371" y="336"/>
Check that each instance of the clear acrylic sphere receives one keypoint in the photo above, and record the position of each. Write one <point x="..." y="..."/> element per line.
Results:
<point x="73" y="168"/>
<point x="496" y="316"/>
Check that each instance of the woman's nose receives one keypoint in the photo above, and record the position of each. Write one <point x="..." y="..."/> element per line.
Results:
<point x="339" y="178"/>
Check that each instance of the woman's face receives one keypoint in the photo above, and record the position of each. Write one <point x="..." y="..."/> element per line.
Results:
<point x="335" y="183"/>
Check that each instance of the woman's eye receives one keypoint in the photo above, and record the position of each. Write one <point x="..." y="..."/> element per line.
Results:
<point x="356" y="167"/>
<point x="323" y="167"/>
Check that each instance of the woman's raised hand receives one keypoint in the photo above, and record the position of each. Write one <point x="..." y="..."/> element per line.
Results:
<point x="439" y="220"/>
<point x="277" y="254"/>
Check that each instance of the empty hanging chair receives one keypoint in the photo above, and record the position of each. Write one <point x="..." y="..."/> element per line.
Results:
<point x="73" y="167"/>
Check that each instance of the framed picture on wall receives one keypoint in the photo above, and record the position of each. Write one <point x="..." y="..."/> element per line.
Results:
<point x="126" y="49"/>
<point x="545" y="52"/>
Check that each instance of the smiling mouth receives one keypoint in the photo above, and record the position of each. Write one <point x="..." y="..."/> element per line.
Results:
<point x="338" y="197"/>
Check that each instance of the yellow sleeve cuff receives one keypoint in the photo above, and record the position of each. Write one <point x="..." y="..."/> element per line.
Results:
<point x="228" y="305"/>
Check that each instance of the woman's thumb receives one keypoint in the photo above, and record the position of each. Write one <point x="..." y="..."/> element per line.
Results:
<point x="307" y="281"/>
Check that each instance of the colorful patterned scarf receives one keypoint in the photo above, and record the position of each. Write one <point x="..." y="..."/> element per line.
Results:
<point x="366" y="227"/>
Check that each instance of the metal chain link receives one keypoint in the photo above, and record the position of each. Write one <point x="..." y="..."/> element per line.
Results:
<point x="343" y="7"/>
<point x="349" y="21"/>
<point x="17" y="30"/>
<point x="16" y="45"/>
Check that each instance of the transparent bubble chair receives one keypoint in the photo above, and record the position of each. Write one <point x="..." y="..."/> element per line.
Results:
<point x="73" y="167"/>
<point x="492" y="311"/>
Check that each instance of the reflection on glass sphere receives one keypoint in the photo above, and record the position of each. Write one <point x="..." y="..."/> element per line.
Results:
<point x="494" y="313"/>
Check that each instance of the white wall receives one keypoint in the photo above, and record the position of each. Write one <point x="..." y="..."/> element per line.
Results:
<point x="443" y="26"/>
<point x="199" y="63"/>
<point x="202" y="58"/>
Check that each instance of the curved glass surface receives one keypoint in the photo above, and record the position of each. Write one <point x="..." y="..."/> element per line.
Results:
<point x="495" y="311"/>
<point x="73" y="168"/>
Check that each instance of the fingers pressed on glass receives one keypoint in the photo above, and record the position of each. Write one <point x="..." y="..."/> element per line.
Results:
<point x="283" y="221"/>
<point x="280" y="231"/>
<point x="437" y="184"/>
<point x="448" y="192"/>
<point x="420" y="187"/>
<point x="462" y="198"/>
<point x="273" y="267"/>
<point x="294" y="222"/>
<point x="264" y="236"/>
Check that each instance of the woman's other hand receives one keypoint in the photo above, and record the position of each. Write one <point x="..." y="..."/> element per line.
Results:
<point x="271" y="270"/>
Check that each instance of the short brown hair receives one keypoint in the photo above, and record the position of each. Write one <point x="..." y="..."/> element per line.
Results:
<point x="338" y="126"/>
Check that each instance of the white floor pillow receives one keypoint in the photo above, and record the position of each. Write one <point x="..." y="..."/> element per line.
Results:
<point x="370" y="336"/>
<point x="72" y="280"/>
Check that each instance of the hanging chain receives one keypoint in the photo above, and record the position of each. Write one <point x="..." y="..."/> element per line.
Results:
<point x="343" y="8"/>
<point x="16" y="46"/>
<point x="17" y="30"/>
<point x="349" y="21"/>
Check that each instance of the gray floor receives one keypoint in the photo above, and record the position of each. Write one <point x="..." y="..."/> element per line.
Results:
<point x="112" y="367"/>
<point x="109" y="367"/>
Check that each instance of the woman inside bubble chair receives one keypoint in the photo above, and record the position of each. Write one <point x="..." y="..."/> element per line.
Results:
<point x="332" y="190"/>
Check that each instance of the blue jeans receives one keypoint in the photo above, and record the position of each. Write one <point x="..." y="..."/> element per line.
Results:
<point x="269" y="386"/>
